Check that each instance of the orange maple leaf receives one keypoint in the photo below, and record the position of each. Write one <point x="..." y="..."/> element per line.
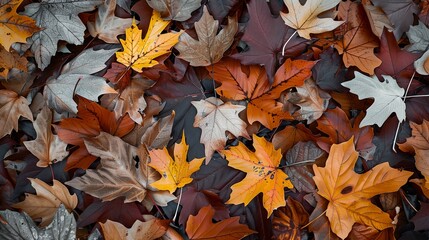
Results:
<point x="263" y="174"/>
<point x="349" y="193"/>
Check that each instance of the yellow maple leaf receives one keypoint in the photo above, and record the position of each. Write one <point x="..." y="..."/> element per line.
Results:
<point x="140" y="53"/>
<point x="174" y="173"/>
<point x="13" y="27"/>
<point x="349" y="193"/>
<point x="263" y="174"/>
<point x="304" y="18"/>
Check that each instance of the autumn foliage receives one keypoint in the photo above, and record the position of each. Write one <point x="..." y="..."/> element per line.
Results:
<point x="196" y="119"/>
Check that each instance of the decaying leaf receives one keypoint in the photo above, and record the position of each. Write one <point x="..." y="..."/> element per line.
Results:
<point x="210" y="46"/>
<point x="9" y="60"/>
<point x="215" y="118"/>
<point x="150" y="230"/>
<point x="263" y="175"/>
<point x="20" y="226"/>
<point x="12" y="106"/>
<point x="419" y="38"/>
<point x="140" y="53"/>
<point x="387" y="97"/>
<point x="47" y="200"/>
<point x="288" y="221"/>
<point x="179" y="10"/>
<point x="348" y="193"/>
<point x="174" y="173"/>
<point x="304" y="18"/>
<point x="47" y="147"/>
<point x="201" y="227"/>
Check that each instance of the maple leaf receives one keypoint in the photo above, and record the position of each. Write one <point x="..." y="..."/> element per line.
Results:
<point x="47" y="200"/>
<point x="215" y="118"/>
<point x="349" y="193"/>
<point x="76" y="78"/>
<point x="47" y="147"/>
<point x="150" y="230"/>
<point x="141" y="53"/>
<point x="174" y="174"/>
<point x="288" y="220"/>
<point x="377" y="19"/>
<point x="12" y="106"/>
<point x="107" y="26"/>
<point x="9" y="60"/>
<point x="311" y="100"/>
<point x="263" y="174"/>
<point x="202" y="227"/>
<point x="209" y="47"/>
<point x="358" y="43"/>
<point x="387" y="97"/>
<point x="20" y="226"/>
<point x="304" y="18"/>
<point x="291" y="135"/>
<point x="59" y="20"/>
<point x="419" y="38"/>
<point x="179" y="10"/>
<point x="13" y="27"/>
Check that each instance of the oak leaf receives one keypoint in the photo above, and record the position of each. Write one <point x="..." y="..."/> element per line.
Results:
<point x="262" y="174"/>
<point x="209" y="47"/>
<point x="349" y="193"/>
<point x="215" y="118"/>
<point x="174" y="173"/>
<point x="387" y="97"/>
<point x="140" y="53"/>
<point x="358" y="43"/>
<point x="304" y="18"/>
<point x="202" y="227"/>
<point x="59" y="20"/>
<point x="107" y="26"/>
<point x="47" y="147"/>
<point x="178" y="10"/>
<point x="12" y="106"/>
<point x="149" y="230"/>
<point x="9" y="60"/>
<point x="47" y="200"/>
<point x="14" y="27"/>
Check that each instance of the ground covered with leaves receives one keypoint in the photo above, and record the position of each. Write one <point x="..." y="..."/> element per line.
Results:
<point x="229" y="119"/>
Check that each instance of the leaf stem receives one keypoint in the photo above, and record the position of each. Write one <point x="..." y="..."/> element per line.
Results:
<point x="406" y="199"/>
<point x="298" y="163"/>
<point x="312" y="221"/>
<point x="415" y="96"/>
<point x="52" y="172"/>
<point x="178" y="204"/>
<point x="284" y="46"/>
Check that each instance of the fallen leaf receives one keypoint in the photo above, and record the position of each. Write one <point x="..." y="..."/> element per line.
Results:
<point x="48" y="13"/>
<point x="47" y="200"/>
<point x="263" y="174"/>
<point x="215" y="118"/>
<point x="47" y="147"/>
<point x="14" y="27"/>
<point x="20" y="226"/>
<point x="329" y="71"/>
<point x="9" y="60"/>
<point x="387" y="97"/>
<point x="119" y="75"/>
<point x="291" y="135"/>
<point x="358" y="43"/>
<point x="210" y="46"/>
<point x="174" y="174"/>
<point x="76" y="79"/>
<point x="12" y="106"/>
<point x="202" y="227"/>
<point x="304" y="18"/>
<point x="149" y="230"/>
<point x="377" y="19"/>
<point x="419" y="38"/>
<point x="289" y="220"/>
<point x="311" y="100"/>
<point x="140" y="53"/>
<point x="178" y="10"/>
<point x="348" y="193"/>
<point x="107" y="26"/>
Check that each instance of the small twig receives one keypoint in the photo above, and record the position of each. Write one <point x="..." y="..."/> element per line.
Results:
<point x="154" y="203"/>
<point x="312" y="221"/>
<point x="284" y="46"/>
<point x="178" y="204"/>
<point x="406" y="200"/>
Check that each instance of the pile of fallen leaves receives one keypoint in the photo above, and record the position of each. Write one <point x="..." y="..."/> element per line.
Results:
<point x="229" y="119"/>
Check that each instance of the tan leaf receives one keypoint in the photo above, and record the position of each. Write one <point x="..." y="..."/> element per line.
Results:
<point x="12" y="106"/>
<point x="47" y="147"/>
<point x="9" y="60"/>
<point x="47" y="200"/>
<point x="215" y="118"/>
<point x="149" y="230"/>
<point x="209" y="47"/>
<point x="377" y="19"/>
<point x="178" y="10"/>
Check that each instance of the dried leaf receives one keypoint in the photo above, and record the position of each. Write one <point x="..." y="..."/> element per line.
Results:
<point x="12" y="106"/>
<point x="288" y="220"/>
<point x="419" y="38"/>
<point x="178" y="10"/>
<point x="9" y="60"/>
<point x="150" y="230"/>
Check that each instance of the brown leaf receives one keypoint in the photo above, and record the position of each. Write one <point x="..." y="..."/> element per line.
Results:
<point x="148" y="230"/>
<point x="209" y="47"/>
<point x="291" y="135"/>
<point x="288" y="220"/>
<point x="178" y="10"/>
<point x="9" y="60"/>
<point x="12" y="106"/>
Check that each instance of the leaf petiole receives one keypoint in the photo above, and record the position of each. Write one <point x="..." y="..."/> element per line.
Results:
<point x="290" y="38"/>
<point x="178" y="204"/>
